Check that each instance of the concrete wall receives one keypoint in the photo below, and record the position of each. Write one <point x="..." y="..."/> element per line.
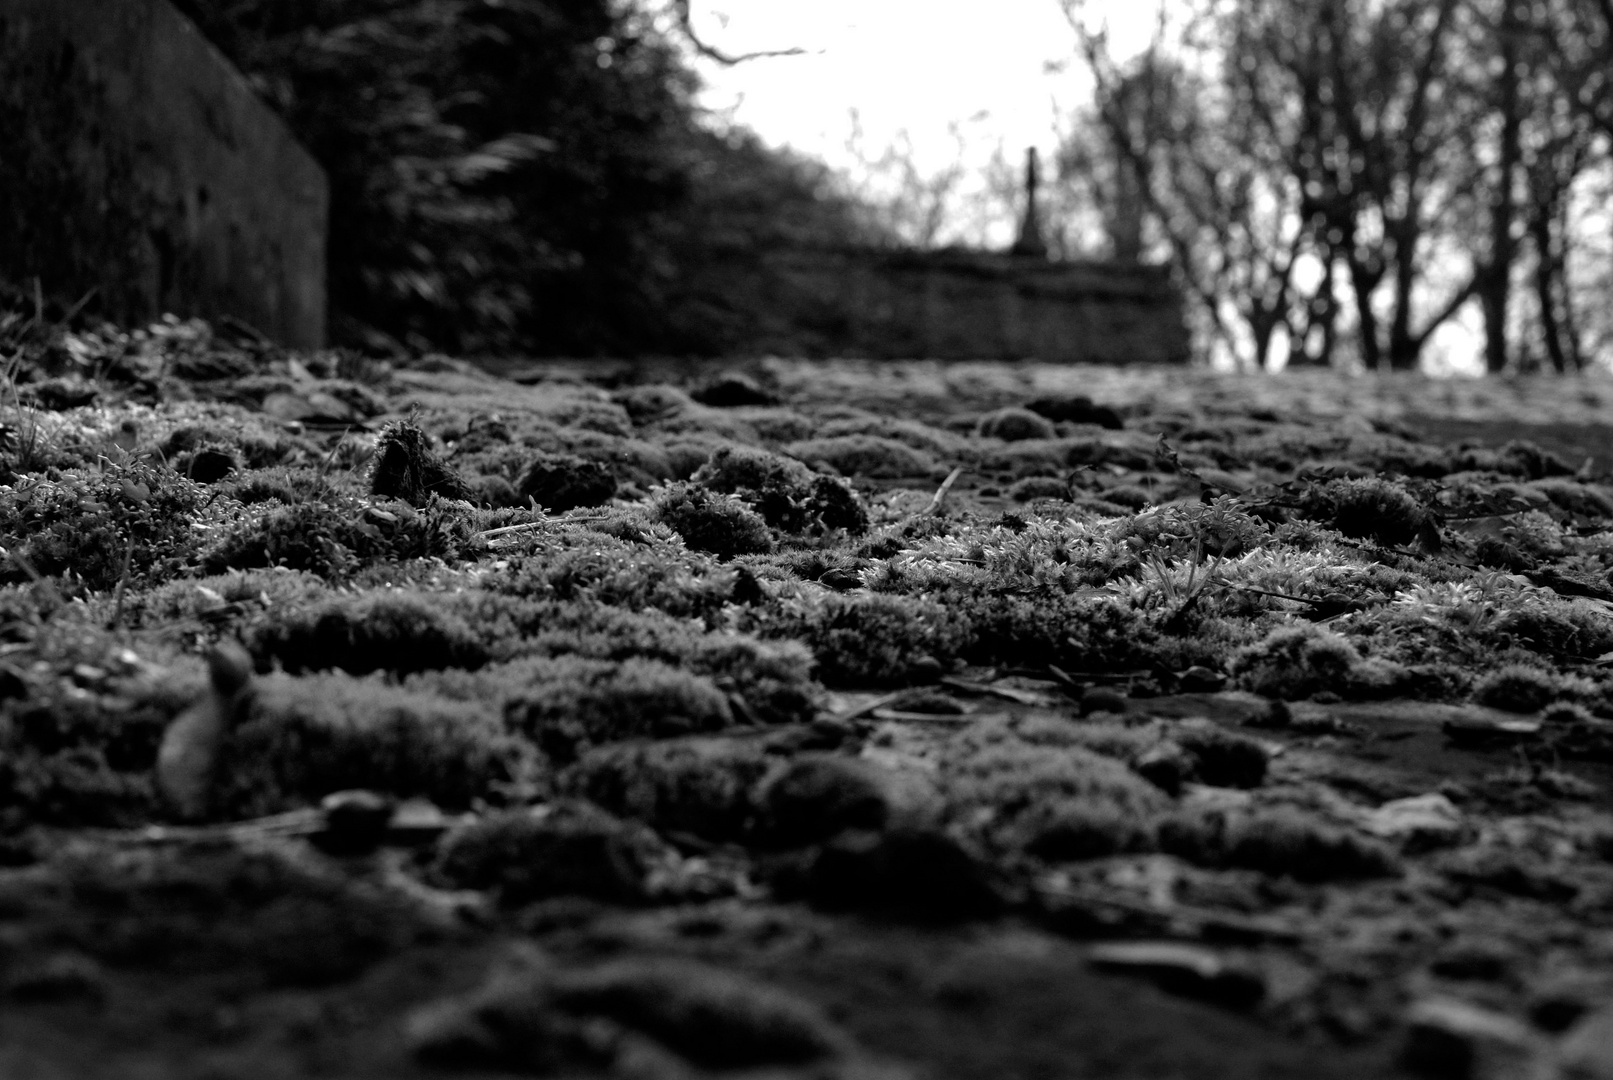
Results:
<point x="964" y="305"/>
<point x="135" y="159"/>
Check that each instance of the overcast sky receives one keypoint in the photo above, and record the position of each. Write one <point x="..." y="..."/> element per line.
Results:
<point x="912" y="65"/>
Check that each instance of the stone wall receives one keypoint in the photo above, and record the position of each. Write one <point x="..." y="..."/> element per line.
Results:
<point x="135" y="160"/>
<point x="966" y="305"/>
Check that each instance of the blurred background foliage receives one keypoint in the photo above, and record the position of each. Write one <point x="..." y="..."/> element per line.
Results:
<point x="526" y="176"/>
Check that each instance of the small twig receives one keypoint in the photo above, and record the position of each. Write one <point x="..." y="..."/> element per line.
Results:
<point x="123" y="585"/>
<point x="940" y="495"/>
<point x="968" y="686"/>
<point x="528" y="526"/>
<point x="863" y="710"/>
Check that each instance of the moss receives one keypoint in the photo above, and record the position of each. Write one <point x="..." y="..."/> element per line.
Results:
<point x="1517" y="688"/>
<point x="257" y="448"/>
<point x="786" y="493"/>
<point x="1039" y="487"/>
<point x="1013" y="424"/>
<point x="720" y="524"/>
<point x="1296" y="661"/>
<point x="1220" y="757"/>
<point x="94" y="524"/>
<point x="567" y="848"/>
<point x="645" y="404"/>
<point x="399" y="632"/>
<point x="288" y="484"/>
<point x="561" y="482"/>
<point x="407" y="469"/>
<point x="302" y="738"/>
<point x="1056" y="802"/>
<point x="1283" y="841"/>
<point x="336" y="537"/>
<point x="1370" y="509"/>
<point x="863" y="455"/>
<point x="571" y="703"/>
<point x="698" y="785"/>
<point x="878" y="640"/>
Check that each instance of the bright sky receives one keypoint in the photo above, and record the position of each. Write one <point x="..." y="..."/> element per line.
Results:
<point x="912" y="65"/>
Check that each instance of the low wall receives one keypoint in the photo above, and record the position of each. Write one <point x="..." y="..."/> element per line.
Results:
<point x="965" y="305"/>
<point x="134" y="159"/>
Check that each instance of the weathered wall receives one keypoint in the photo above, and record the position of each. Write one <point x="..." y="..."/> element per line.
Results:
<point x="962" y="305"/>
<point x="135" y="159"/>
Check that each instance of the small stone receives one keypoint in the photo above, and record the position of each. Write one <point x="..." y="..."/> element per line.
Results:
<point x="1189" y="970"/>
<point x="355" y="821"/>
<point x="1451" y="1039"/>
<point x="1103" y="699"/>
<point x="1418" y="823"/>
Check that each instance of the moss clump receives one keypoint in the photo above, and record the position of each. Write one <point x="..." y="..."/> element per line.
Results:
<point x="1220" y="757"/>
<point x="95" y="524"/>
<point x="879" y="640"/>
<point x="336" y="538"/>
<point x="400" y="632"/>
<point x="1038" y="792"/>
<point x="699" y="785"/>
<point x="406" y="468"/>
<point x="288" y="484"/>
<point x="258" y="449"/>
<point x="1517" y="688"/>
<point x="301" y="738"/>
<point x="561" y="482"/>
<point x="567" y="848"/>
<point x="1295" y="662"/>
<point x="1039" y="487"/>
<point x="789" y="496"/>
<point x="863" y="455"/>
<point x="819" y="796"/>
<point x="1013" y="424"/>
<point x="1277" y="840"/>
<point x="719" y="524"/>
<point x="570" y="703"/>
<point x="1370" y="509"/>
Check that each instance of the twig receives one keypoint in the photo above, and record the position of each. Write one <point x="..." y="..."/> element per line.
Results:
<point x="863" y="710"/>
<point x="528" y="526"/>
<point x="969" y="686"/>
<point x="940" y="495"/>
<point x="123" y="584"/>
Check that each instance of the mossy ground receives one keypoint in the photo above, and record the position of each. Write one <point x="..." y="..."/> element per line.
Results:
<point x="701" y="678"/>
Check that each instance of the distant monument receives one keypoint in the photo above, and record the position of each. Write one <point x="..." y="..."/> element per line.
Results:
<point x="1029" y="242"/>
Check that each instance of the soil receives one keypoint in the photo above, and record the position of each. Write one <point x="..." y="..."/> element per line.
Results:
<point x="798" y="720"/>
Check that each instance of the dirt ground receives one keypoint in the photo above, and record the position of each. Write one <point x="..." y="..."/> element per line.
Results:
<point x="799" y="720"/>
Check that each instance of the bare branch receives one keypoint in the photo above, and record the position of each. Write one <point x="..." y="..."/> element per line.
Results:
<point x="682" y="9"/>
